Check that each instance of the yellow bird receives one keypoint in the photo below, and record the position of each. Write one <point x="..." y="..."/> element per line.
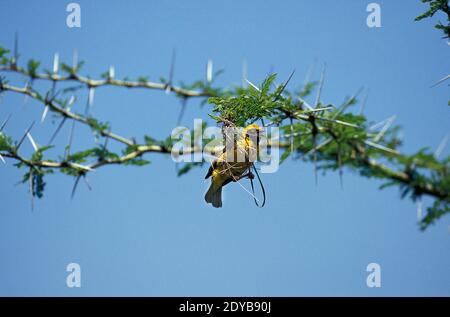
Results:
<point x="229" y="167"/>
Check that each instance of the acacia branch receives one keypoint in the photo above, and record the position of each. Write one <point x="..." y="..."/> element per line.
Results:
<point x="330" y="136"/>
<point x="95" y="83"/>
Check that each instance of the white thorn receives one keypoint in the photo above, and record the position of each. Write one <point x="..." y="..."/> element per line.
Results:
<point x="91" y="97"/>
<point x="363" y="104"/>
<point x="309" y="73"/>
<point x="381" y="147"/>
<point x="419" y="210"/>
<point x="441" y="80"/>
<point x="244" y="73"/>
<point x="209" y="71"/>
<point x="378" y="124"/>
<point x="386" y="126"/>
<point x="335" y="121"/>
<point x="75" y="59"/>
<point x="16" y="49"/>
<point x="56" y="63"/>
<point x="86" y="180"/>
<point x="292" y="138"/>
<point x="318" y="147"/>
<point x="347" y="103"/>
<point x="319" y="91"/>
<point x="251" y="84"/>
<point x="86" y="168"/>
<point x="44" y="113"/>
<point x="27" y="87"/>
<point x="441" y="146"/>
<point x="320" y="109"/>
<point x="112" y="72"/>
<point x="71" y="100"/>
<point x="30" y="138"/>
<point x="305" y="103"/>
<point x="2" y="159"/>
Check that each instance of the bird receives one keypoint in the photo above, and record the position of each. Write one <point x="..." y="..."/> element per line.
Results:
<point x="231" y="165"/>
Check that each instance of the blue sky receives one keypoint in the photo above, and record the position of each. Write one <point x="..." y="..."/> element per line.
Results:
<point x="144" y="231"/>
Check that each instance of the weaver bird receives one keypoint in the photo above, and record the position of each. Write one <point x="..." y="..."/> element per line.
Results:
<point x="231" y="165"/>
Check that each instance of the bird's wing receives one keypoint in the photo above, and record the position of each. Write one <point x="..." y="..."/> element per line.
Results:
<point x="210" y="170"/>
<point x="214" y="165"/>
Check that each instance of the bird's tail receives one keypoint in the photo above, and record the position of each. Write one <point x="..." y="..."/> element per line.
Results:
<point x="214" y="196"/>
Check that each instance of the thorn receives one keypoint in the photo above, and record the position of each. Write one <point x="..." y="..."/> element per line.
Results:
<point x="2" y="159"/>
<point x="319" y="91"/>
<point x="55" y="63"/>
<point x="83" y="167"/>
<point x="305" y="103"/>
<point x="5" y="122"/>
<point x="377" y="125"/>
<point x="24" y="136"/>
<point x="363" y="104"/>
<point x="263" y="123"/>
<point x="75" y="59"/>
<point x="44" y="113"/>
<point x="112" y="72"/>
<point x="209" y="71"/>
<point x="348" y="102"/>
<point x="381" y="147"/>
<point x="289" y="134"/>
<point x="91" y="97"/>
<point x="316" y="179"/>
<point x="386" y="126"/>
<point x="53" y="93"/>
<point x="419" y="209"/>
<point x="244" y="73"/>
<point x="71" y="100"/>
<point x="440" y="81"/>
<point x="319" y="109"/>
<point x="28" y="86"/>
<point x="172" y="66"/>
<point x="309" y="73"/>
<point x="86" y="180"/>
<point x="30" y="138"/>
<point x="339" y="159"/>
<point x="31" y="189"/>
<point x="69" y="145"/>
<point x="16" y="49"/>
<point x="292" y="134"/>
<point x="251" y="84"/>
<point x="90" y="100"/>
<point x="182" y="110"/>
<point x="171" y="72"/>
<point x="284" y="86"/>
<point x="105" y="145"/>
<point x="318" y="147"/>
<point x="57" y="130"/>
<point x="440" y="147"/>
<point x="338" y="122"/>
<point x="75" y="186"/>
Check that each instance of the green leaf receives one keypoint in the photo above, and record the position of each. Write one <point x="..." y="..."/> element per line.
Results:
<point x="33" y="65"/>
<point x="187" y="167"/>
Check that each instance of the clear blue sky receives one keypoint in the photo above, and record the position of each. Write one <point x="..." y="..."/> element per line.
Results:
<point x="143" y="231"/>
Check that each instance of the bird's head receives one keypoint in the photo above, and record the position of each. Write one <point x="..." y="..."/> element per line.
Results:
<point x="251" y="129"/>
<point x="252" y="132"/>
